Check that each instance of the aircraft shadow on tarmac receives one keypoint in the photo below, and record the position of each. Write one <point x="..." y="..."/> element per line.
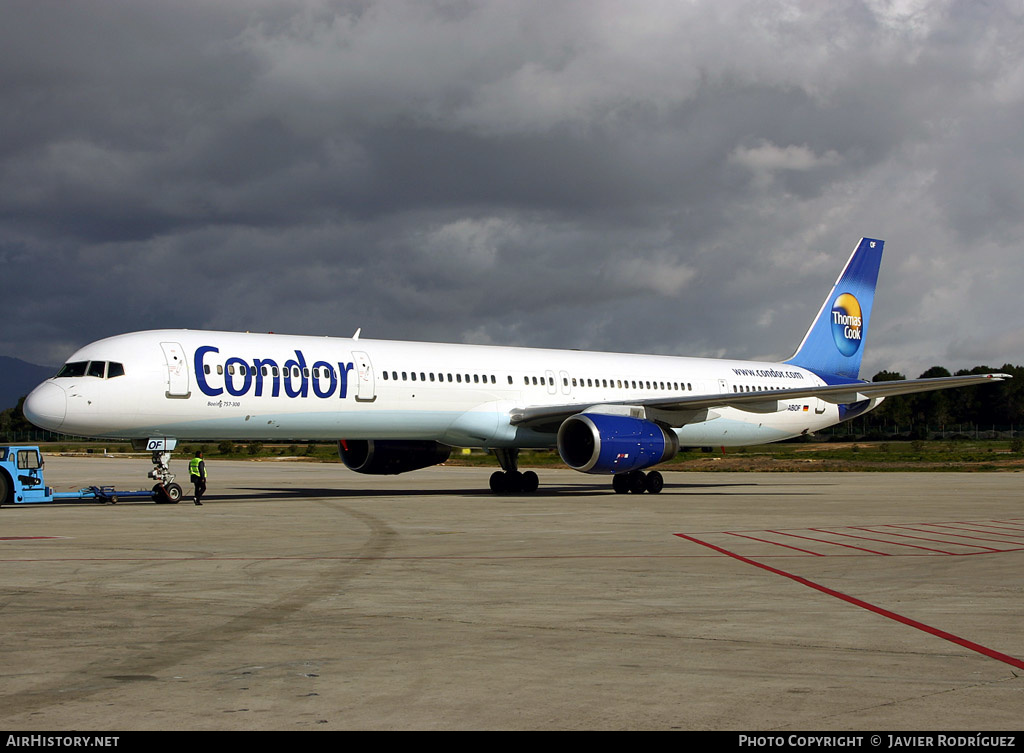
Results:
<point x="252" y="494"/>
<point x="559" y="491"/>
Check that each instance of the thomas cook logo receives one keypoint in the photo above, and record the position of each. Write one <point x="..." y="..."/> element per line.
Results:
<point x="846" y="324"/>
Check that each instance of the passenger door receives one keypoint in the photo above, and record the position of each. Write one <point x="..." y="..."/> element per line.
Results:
<point x="177" y="370"/>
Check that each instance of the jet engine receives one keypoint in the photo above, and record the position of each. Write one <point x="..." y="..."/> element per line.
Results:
<point x="599" y="443"/>
<point x="381" y="457"/>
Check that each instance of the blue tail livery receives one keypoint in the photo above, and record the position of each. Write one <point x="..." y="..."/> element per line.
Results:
<point x="834" y="343"/>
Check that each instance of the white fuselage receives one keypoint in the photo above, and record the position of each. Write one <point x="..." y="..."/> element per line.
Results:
<point x="198" y="385"/>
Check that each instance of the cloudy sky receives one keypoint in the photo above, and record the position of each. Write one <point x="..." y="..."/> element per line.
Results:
<point x="662" y="177"/>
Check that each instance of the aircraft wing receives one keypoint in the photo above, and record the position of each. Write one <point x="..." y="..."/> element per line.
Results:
<point x="680" y="410"/>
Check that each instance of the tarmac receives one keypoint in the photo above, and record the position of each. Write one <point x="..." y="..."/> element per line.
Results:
<point x="302" y="596"/>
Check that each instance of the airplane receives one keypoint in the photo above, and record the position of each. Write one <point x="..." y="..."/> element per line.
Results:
<point x="398" y="406"/>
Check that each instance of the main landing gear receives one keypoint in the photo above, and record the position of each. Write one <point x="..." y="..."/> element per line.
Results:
<point x="510" y="480"/>
<point x="638" y="482"/>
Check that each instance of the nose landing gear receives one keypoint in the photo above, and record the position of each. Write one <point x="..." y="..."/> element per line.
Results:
<point x="165" y="491"/>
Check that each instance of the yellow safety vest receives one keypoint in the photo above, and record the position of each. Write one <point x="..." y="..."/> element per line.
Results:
<point x="193" y="467"/>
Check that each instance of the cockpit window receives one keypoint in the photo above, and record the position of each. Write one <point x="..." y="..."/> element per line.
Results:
<point x="99" y="369"/>
<point x="73" y="369"/>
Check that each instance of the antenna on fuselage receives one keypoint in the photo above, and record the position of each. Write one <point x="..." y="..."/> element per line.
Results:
<point x="356" y="335"/>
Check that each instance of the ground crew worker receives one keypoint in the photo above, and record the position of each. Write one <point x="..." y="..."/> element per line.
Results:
<point x="197" y="468"/>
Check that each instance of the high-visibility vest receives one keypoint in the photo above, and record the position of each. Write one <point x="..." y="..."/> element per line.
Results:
<point x="193" y="467"/>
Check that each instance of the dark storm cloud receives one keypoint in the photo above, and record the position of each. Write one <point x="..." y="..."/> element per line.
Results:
<point x="663" y="177"/>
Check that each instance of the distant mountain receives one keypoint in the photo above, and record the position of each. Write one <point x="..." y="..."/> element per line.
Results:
<point x="17" y="378"/>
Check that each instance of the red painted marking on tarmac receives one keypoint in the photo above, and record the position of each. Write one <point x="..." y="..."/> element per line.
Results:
<point x="958" y="527"/>
<point x="881" y="541"/>
<point x="775" y="543"/>
<point x="971" y="645"/>
<point x="831" y="543"/>
<point x="924" y="538"/>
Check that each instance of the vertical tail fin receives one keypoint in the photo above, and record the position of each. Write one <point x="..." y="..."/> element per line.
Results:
<point x="835" y="342"/>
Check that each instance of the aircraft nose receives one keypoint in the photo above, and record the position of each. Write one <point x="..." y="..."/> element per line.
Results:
<point x="46" y="406"/>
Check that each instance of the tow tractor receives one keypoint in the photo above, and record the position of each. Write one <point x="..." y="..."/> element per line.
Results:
<point x="21" y="482"/>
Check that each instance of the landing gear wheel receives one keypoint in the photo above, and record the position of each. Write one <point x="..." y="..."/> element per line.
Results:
<point x="498" y="482"/>
<point x="530" y="482"/>
<point x="654" y="482"/>
<point x="166" y="495"/>
<point x="514" y="482"/>
<point x="637" y="483"/>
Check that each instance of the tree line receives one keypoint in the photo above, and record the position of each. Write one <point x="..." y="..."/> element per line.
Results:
<point x="999" y="404"/>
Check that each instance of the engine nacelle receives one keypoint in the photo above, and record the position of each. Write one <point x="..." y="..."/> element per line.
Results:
<point x="599" y="443"/>
<point x="381" y="457"/>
